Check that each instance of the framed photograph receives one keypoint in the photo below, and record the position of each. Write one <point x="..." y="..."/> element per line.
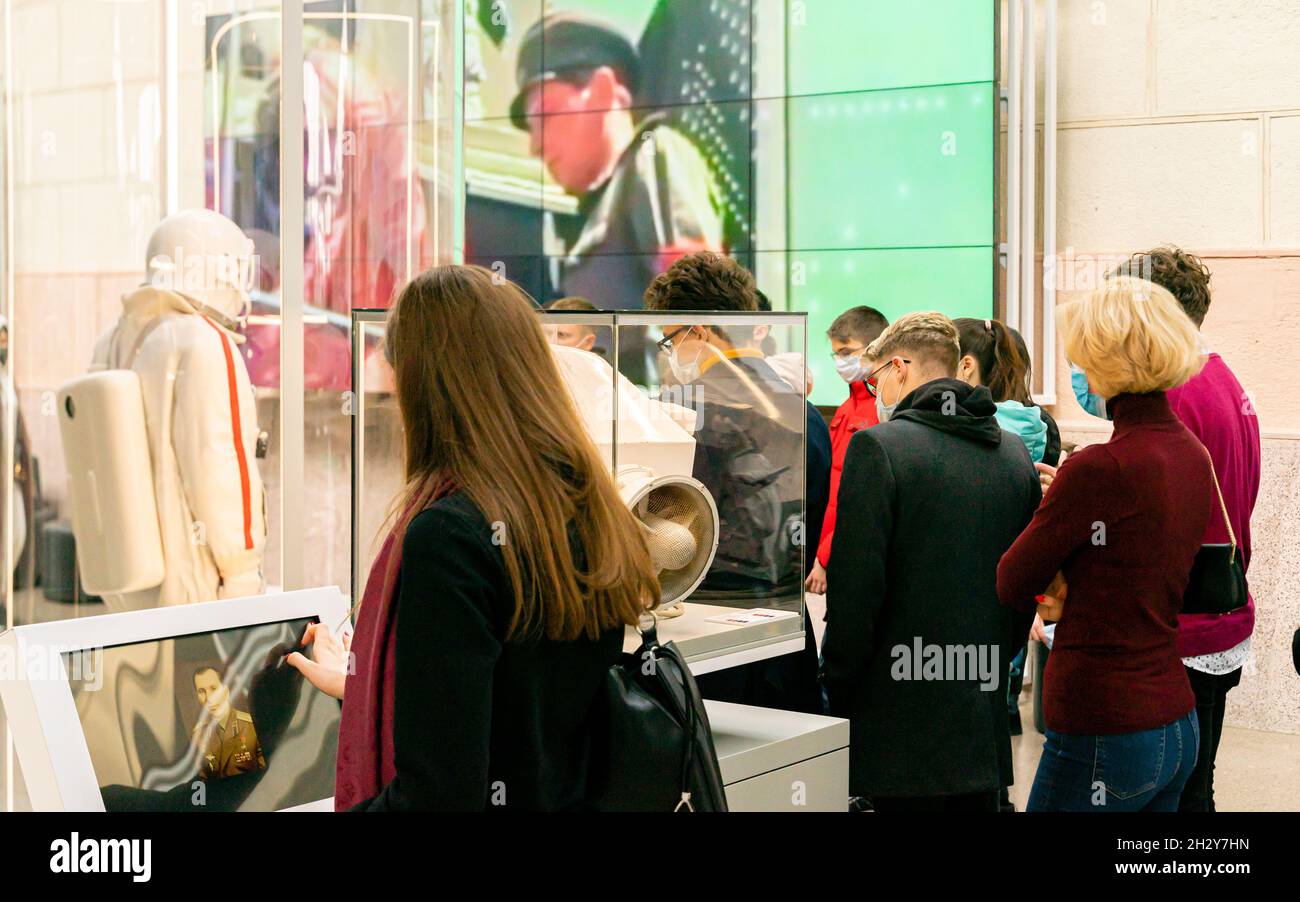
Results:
<point x="179" y="708"/>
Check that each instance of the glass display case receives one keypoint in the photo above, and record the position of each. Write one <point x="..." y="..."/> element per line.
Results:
<point x="184" y="109"/>
<point x="323" y="133"/>
<point x="706" y="440"/>
<point x="743" y="378"/>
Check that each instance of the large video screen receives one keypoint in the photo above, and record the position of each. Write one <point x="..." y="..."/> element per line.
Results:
<point x="843" y="149"/>
<point x="209" y="722"/>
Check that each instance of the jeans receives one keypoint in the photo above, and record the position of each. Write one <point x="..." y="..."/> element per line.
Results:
<point x="1211" y="701"/>
<point x="1143" y="771"/>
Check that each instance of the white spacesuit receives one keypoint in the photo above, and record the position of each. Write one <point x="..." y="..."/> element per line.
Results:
<point x="178" y="332"/>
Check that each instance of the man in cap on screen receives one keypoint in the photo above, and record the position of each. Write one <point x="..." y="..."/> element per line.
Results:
<point x="646" y="194"/>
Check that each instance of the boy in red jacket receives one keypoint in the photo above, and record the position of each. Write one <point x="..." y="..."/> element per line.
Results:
<point x="850" y="334"/>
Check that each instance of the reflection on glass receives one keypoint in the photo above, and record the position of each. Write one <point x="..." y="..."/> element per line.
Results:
<point x="378" y="475"/>
<point x="744" y="378"/>
<point x="377" y="105"/>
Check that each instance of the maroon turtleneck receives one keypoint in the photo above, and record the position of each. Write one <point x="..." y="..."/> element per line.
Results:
<point x="1123" y="520"/>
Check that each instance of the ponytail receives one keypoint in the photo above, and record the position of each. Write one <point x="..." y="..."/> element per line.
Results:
<point x="1002" y="357"/>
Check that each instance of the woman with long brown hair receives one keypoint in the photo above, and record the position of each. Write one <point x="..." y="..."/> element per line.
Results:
<point x="499" y="599"/>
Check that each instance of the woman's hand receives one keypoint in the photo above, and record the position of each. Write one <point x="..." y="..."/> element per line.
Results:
<point x="330" y="663"/>
<point x="1036" y="631"/>
<point x="1046" y="475"/>
<point x="1053" y="604"/>
<point x="816" y="581"/>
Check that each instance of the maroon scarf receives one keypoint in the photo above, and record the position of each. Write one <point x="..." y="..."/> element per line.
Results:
<point x="366" y="762"/>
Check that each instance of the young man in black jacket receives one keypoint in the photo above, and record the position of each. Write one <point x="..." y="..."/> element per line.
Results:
<point x="917" y="655"/>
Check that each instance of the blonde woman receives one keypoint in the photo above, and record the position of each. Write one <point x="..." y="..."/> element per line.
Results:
<point x="1115" y="539"/>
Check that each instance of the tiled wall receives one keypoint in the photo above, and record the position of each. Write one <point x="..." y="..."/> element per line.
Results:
<point x="1179" y="121"/>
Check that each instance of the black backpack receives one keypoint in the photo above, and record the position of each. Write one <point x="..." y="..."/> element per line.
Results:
<point x="652" y="748"/>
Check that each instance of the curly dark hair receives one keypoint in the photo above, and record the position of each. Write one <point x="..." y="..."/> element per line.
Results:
<point x="703" y="282"/>
<point x="1181" y="273"/>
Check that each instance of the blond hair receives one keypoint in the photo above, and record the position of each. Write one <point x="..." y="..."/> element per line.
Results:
<point x="931" y="337"/>
<point x="1130" y="336"/>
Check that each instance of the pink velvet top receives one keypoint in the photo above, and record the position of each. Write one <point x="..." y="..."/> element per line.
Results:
<point x="1214" y="406"/>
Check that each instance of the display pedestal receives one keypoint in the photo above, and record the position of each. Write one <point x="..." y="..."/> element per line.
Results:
<point x="708" y="647"/>
<point x="781" y="761"/>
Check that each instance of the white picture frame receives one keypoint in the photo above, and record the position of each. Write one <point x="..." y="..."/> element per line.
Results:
<point x="37" y="694"/>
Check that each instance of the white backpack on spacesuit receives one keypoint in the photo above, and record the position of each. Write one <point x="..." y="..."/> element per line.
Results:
<point x="110" y="483"/>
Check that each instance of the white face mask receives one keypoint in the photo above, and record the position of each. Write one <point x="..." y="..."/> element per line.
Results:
<point x="851" y="368"/>
<point x="684" y="373"/>
<point x="884" y="412"/>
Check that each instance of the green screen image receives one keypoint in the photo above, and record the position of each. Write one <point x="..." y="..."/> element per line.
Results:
<point x="891" y="120"/>
<point x="844" y="149"/>
<point x="905" y="168"/>
<point x="895" y="282"/>
<point x="837" y="46"/>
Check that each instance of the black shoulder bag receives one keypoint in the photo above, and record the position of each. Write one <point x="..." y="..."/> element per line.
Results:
<point x="1217" y="584"/>
<point x="652" y="748"/>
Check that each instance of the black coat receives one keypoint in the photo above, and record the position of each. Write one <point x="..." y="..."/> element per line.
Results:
<point x="928" y="503"/>
<point x="481" y="722"/>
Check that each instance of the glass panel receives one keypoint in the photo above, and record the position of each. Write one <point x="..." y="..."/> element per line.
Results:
<point x="583" y="344"/>
<point x="109" y="139"/>
<point x="125" y="114"/>
<point x="724" y="400"/>
<point x="378" y="206"/>
<point x="241" y="123"/>
<point x="377" y="478"/>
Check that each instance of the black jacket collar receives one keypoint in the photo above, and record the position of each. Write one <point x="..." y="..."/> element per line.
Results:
<point x="954" y="407"/>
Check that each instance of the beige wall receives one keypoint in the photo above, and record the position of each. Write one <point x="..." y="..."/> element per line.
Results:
<point x="1179" y="122"/>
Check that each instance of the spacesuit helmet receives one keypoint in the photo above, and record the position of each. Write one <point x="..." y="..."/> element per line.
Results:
<point x="204" y="257"/>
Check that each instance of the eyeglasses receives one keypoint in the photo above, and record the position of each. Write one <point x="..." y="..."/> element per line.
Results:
<point x="872" y="388"/>
<point x="666" y="343"/>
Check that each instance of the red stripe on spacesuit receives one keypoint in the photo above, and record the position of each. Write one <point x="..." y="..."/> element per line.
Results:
<point x="232" y="384"/>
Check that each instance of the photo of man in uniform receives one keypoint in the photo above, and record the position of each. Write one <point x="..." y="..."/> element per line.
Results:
<point x="646" y="195"/>
<point x="224" y="738"/>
